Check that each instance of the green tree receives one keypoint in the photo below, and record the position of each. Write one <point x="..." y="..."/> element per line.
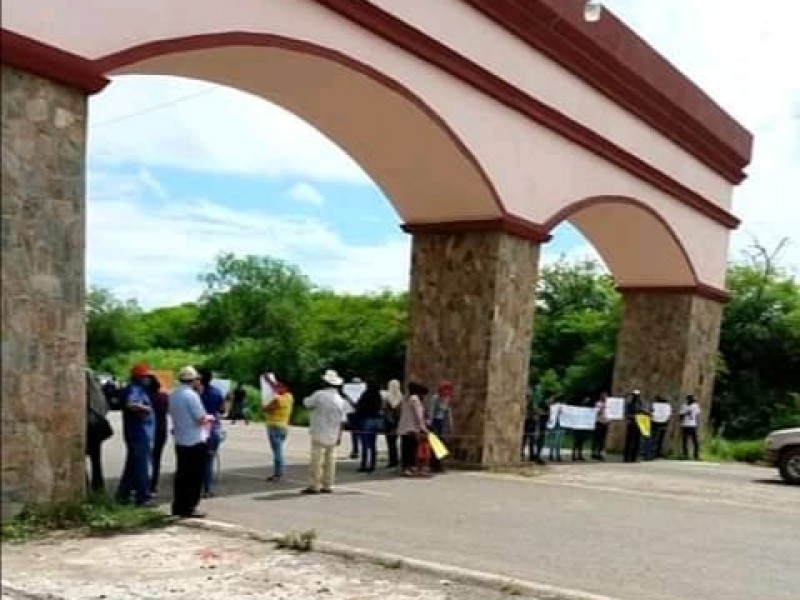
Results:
<point x="258" y="303"/>
<point x="575" y="329"/>
<point x="758" y="383"/>
<point x="113" y="326"/>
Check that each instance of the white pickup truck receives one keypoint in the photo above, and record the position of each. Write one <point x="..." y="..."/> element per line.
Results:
<point x="783" y="451"/>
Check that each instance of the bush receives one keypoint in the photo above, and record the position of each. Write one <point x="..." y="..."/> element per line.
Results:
<point x="720" y="449"/>
<point x="156" y="358"/>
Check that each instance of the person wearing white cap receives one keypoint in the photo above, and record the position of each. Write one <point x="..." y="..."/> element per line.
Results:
<point x="190" y="425"/>
<point x="328" y="412"/>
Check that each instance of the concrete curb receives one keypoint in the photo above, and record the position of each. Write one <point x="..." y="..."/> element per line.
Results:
<point x="452" y="573"/>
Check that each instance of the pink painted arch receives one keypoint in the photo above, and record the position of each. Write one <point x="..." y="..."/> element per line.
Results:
<point x="640" y="248"/>
<point x="409" y="150"/>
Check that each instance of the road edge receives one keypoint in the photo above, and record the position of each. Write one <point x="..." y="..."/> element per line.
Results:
<point x="502" y="583"/>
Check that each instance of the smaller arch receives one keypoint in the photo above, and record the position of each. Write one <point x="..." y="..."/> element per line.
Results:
<point x="639" y="246"/>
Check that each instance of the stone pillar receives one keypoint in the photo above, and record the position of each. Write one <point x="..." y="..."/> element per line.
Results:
<point x="667" y="345"/>
<point x="43" y="241"/>
<point x="472" y="305"/>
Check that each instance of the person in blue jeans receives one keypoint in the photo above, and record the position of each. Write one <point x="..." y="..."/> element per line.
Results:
<point x="214" y="403"/>
<point x="138" y="430"/>
<point x="555" y="431"/>
<point x="368" y="415"/>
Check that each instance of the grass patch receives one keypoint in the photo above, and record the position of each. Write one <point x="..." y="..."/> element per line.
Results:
<point x="98" y="515"/>
<point x="298" y="542"/>
<point x="722" y="450"/>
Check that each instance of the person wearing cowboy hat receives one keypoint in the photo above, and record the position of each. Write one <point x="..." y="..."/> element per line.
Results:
<point x="191" y="426"/>
<point x="328" y="412"/>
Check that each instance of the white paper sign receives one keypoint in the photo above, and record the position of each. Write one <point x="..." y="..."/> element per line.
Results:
<point x="354" y="390"/>
<point x="615" y="408"/>
<point x="578" y="417"/>
<point x="662" y="411"/>
<point x="223" y="385"/>
<point x="555" y="411"/>
<point x="267" y="393"/>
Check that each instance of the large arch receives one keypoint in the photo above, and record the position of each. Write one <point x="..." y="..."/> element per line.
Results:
<point x="388" y="129"/>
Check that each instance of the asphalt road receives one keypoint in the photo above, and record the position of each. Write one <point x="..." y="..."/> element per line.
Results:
<point x="652" y="531"/>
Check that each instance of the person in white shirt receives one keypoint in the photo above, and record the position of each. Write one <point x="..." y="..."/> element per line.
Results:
<point x="690" y="420"/>
<point x="328" y="412"/>
<point x="191" y="427"/>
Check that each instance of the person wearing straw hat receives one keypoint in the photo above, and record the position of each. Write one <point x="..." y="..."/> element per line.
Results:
<point x="191" y="426"/>
<point x="328" y="412"/>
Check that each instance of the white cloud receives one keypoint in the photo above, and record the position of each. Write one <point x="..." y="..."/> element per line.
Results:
<point x="187" y="124"/>
<point x="744" y="55"/>
<point x="305" y="192"/>
<point x="155" y="253"/>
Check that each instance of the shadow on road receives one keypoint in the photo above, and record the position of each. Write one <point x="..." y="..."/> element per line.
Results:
<point x="774" y="481"/>
<point x="252" y="480"/>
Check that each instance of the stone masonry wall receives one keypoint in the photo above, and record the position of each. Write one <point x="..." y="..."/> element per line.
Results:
<point x="667" y="345"/>
<point x="472" y="303"/>
<point x="43" y="240"/>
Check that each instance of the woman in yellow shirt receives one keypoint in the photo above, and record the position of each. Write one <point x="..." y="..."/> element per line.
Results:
<point x="278" y="412"/>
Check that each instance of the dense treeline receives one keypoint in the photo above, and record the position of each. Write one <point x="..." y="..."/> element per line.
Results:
<point x="258" y="313"/>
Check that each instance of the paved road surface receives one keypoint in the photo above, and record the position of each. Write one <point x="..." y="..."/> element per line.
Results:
<point x="654" y="531"/>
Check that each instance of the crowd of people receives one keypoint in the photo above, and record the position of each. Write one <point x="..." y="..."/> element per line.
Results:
<point x="195" y="408"/>
<point x="543" y="428"/>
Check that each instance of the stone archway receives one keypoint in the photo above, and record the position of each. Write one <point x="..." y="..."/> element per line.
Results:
<point x="492" y="136"/>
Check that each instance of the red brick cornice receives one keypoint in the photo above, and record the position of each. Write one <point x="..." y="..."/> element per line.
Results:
<point x="616" y="61"/>
<point x="702" y="290"/>
<point x="507" y="224"/>
<point x="54" y="64"/>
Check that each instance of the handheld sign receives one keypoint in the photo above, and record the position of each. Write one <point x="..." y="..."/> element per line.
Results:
<point x="615" y="408"/>
<point x="662" y="411"/>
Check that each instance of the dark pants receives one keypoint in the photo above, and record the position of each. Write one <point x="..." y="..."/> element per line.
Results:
<point x="579" y="437"/>
<point x="212" y="447"/>
<point x="599" y="440"/>
<point x="189" y="473"/>
<point x="529" y="439"/>
<point x="408" y="450"/>
<point x="656" y="443"/>
<point x="391" y="444"/>
<point x="355" y="434"/>
<point x="633" y="442"/>
<point x="136" y="473"/>
<point x="94" y="450"/>
<point x="687" y="434"/>
<point x="369" y="443"/>
<point x="541" y="438"/>
<point x="158" y="451"/>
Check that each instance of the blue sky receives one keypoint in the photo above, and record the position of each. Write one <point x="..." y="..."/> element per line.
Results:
<point x="181" y="170"/>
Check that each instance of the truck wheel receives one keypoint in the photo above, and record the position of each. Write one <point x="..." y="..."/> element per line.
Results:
<point x="789" y="465"/>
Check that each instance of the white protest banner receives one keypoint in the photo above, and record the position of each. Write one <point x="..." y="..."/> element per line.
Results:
<point x="615" y="408"/>
<point x="267" y="393"/>
<point x="662" y="411"/>
<point x="223" y="385"/>
<point x="354" y="390"/>
<point x="578" y="417"/>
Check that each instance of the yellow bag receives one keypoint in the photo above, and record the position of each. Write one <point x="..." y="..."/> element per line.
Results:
<point x="440" y="451"/>
<point x="643" y="421"/>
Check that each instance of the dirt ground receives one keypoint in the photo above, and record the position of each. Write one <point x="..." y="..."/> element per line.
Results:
<point x="179" y="563"/>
